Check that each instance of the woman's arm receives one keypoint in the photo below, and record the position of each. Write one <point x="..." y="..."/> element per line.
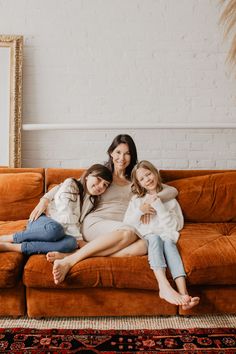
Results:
<point x="167" y="193"/>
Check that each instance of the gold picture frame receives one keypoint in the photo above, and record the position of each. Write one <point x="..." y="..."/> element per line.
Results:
<point x="11" y="60"/>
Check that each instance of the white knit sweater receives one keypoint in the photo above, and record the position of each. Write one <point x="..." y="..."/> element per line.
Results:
<point x="166" y="223"/>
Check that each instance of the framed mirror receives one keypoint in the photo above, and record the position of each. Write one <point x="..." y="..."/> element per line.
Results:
<point x="11" y="57"/>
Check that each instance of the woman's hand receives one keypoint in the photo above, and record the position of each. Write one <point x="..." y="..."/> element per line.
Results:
<point x="39" y="209"/>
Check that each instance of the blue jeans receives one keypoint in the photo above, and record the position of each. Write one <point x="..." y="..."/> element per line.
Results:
<point x="164" y="253"/>
<point x="44" y="235"/>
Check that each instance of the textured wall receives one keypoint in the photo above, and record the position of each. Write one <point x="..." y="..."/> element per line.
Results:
<point x="117" y="61"/>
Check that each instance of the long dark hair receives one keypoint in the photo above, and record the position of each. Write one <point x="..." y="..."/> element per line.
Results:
<point x="123" y="139"/>
<point x="96" y="170"/>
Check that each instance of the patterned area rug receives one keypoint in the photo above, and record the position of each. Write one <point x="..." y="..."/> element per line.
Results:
<point x="62" y="341"/>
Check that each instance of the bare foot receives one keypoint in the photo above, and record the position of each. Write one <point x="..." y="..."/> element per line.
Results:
<point x="52" y="256"/>
<point x="194" y="301"/>
<point x="172" y="296"/>
<point x="6" y="238"/>
<point x="60" y="269"/>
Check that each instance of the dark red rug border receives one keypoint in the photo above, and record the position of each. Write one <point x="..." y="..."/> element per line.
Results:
<point x="22" y="340"/>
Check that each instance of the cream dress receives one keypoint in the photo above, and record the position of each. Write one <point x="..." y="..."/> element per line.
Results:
<point x="109" y="214"/>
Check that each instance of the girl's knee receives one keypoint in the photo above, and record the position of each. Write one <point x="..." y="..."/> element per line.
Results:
<point x="68" y="244"/>
<point x="54" y="230"/>
<point x="154" y="240"/>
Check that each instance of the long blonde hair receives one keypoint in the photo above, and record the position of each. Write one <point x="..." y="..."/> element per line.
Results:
<point x="136" y="188"/>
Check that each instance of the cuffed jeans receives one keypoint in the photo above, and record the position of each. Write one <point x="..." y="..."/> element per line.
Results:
<point x="44" y="235"/>
<point x="164" y="253"/>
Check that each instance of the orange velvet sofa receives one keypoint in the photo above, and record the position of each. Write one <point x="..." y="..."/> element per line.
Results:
<point x="106" y="286"/>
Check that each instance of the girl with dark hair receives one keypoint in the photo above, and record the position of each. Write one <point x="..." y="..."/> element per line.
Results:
<point x="65" y="206"/>
<point x="104" y="229"/>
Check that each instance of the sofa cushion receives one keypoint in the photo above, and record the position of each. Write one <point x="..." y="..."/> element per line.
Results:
<point x="111" y="272"/>
<point x="208" y="252"/>
<point x="9" y="227"/>
<point x="209" y="198"/>
<point x="20" y="192"/>
<point x="54" y="176"/>
<point x="11" y="264"/>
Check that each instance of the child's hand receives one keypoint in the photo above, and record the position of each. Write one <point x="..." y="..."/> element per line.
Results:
<point x="146" y="208"/>
<point x="39" y="209"/>
<point x="145" y="218"/>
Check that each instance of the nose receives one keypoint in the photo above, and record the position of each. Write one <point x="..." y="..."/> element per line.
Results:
<point x="101" y="186"/>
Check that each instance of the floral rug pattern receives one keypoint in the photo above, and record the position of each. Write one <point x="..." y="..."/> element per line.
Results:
<point x="62" y="341"/>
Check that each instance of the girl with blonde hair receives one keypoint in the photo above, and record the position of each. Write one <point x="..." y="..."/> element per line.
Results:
<point x="161" y="233"/>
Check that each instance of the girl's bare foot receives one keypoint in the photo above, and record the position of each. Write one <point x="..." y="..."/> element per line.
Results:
<point x="60" y="268"/>
<point x="194" y="301"/>
<point x="6" y="238"/>
<point x="172" y="296"/>
<point x="52" y="256"/>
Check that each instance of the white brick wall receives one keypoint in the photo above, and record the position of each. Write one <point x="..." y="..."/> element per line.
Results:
<point x="115" y="61"/>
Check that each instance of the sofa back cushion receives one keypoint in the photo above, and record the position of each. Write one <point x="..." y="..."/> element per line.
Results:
<point x="19" y="194"/>
<point x="54" y="176"/>
<point x="209" y="198"/>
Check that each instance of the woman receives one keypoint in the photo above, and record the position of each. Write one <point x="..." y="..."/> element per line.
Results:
<point x="103" y="229"/>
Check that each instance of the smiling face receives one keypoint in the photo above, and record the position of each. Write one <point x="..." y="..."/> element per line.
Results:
<point x="147" y="180"/>
<point x="121" y="157"/>
<point x="96" y="185"/>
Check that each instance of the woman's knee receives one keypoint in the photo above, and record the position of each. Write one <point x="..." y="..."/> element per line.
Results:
<point x="137" y="248"/>
<point x="127" y="237"/>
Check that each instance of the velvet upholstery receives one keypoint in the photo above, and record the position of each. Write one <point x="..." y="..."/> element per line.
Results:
<point x="20" y="191"/>
<point x="209" y="253"/>
<point x="105" y="286"/>
<point x="57" y="175"/>
<point x="95" y="302"/>
<point x="209" y="198"/>
<point x="96" y="272"/>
